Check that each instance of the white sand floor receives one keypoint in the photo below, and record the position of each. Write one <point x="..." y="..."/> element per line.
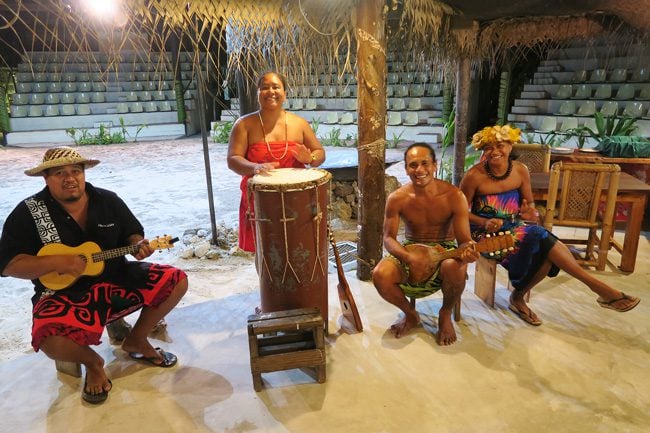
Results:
<point x="581" y="371"/>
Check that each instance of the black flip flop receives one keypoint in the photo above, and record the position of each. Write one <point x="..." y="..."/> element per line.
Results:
<point x="95" y="398"/>
<point x="164" y="360"/>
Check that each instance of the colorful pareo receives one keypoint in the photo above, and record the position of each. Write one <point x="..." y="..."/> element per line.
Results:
<point x="532" y="242"/>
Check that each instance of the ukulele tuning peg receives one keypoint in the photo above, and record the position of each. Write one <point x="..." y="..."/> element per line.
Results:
<point x="488" y="235"/>
<point x="491" y="254"/>
<point x="500" y="233"/>
<point x="511" y="248"/>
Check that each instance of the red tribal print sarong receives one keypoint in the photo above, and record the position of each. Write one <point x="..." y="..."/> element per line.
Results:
<point x="81" y="315"/>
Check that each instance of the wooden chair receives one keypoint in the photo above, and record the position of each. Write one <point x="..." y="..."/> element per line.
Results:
<point x="574" y="198"/>
<point x="537" y="157"/>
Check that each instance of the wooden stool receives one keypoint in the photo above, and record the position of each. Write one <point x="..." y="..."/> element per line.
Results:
<point x="457" y="316"/>
<point x="71" y="368"/>
<point x="117" y="331"/>
<point x="485" y="279"/>
<point x="283" y="340"/>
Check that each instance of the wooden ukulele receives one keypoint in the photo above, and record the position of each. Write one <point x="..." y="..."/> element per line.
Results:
<point x="348" y="306"/>
<point x="94" y="257"/>
<point x="430" y="256"/>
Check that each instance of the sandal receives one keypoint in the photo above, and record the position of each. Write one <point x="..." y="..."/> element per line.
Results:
<point x="610" y="304"/>
<point x="95" y="398"/>
<point x="164" y="359"/>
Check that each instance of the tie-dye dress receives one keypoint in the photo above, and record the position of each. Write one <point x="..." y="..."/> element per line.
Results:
<point x="532" y="242"/>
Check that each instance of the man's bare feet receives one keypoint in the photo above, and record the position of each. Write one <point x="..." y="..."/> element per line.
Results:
<point x="143" y="347"/>
<point x="404" y="324"/>
<point x="96" y="380"/>
<point x="446" y="334"/>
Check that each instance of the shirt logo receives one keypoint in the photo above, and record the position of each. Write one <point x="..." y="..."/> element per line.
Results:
<point x="106" y="225"/>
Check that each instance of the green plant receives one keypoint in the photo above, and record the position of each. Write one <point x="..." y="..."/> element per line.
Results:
<point x="553" y="139"/>
<point x="222" y="131"/>
<point x="6" y="90"/>
<point x="394" y="141"/>
<point x="449" y="129"/>
<point x="447" y="101"/>
<point x="333" y="138"/>
<point x="504" y="97"/>
<point x="315" y="123"/>
<point x="472" y="156"/>
<point x="351" y="140"/>
<point x="445" y="165"/>
<point x="607" y="126"/>
<point x="103" y="136"/>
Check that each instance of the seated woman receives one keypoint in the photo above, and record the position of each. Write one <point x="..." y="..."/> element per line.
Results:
<point x="499" y="192"/>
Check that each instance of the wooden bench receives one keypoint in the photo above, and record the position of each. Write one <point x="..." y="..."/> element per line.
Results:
<point x="283" y="340"/>
<point x="485" y="278"/>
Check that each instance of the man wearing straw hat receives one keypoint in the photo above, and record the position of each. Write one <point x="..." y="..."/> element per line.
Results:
<point x="65" y="214"/>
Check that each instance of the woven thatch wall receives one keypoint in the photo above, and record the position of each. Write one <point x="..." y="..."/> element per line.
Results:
<point x="297" y="37"/>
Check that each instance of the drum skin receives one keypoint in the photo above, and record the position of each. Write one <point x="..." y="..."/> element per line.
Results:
<point x="291" y="249"/>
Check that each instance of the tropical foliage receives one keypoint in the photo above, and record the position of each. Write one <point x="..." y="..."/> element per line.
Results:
<point x="552" y="139"/>
<point x="221" y="132"/>
<point x="608" y="126"/>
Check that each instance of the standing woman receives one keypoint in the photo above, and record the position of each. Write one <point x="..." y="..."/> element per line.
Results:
<point x="267" y="139"/>
<point x="501" y="198"/>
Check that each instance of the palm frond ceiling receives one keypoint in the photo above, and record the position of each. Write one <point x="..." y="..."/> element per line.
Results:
<point x="296" y="37"/>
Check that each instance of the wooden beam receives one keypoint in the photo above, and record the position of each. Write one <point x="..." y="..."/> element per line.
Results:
<point x="371" y="77"/>
<point x="463" y="82"/>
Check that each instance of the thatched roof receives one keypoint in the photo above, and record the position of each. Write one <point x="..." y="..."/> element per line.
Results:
<point x="300" y="37"/>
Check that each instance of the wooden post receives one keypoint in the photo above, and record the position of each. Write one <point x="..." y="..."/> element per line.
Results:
<point x="463" y="77"/>
<point x="371" y="77"/>
<point x="246" y="86"/>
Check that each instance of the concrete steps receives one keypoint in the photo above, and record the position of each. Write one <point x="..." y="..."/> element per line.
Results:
<point x="44" y="138"/>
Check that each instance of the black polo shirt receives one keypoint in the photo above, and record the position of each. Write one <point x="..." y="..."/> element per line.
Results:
<point x="110" y="223"/>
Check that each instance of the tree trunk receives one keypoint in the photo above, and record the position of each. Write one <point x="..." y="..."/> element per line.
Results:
<point x="463" y="81"/>
<point x="371" y="76"/>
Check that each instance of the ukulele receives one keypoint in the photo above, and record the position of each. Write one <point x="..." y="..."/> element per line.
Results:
<point x="94" y="257"/>
<point x="430" y="256"/>
<point x="348" y="306"/>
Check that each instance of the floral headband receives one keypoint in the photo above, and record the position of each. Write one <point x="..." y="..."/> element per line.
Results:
<point x="493" y="134"/>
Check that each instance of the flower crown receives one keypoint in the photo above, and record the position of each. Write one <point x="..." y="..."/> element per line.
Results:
<point x="493" y="134"/>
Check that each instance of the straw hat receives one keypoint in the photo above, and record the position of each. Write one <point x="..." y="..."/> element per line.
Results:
<point x="58" y="157"/>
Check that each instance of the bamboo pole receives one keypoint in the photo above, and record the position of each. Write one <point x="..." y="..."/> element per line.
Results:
<point x="371" y="77"/>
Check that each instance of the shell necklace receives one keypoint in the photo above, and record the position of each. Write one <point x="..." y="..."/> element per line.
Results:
<point x="494" y="176"/>
<point x="286" y="140"/>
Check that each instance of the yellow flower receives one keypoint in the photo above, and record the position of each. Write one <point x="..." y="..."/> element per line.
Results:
<point x="491" y="135"/>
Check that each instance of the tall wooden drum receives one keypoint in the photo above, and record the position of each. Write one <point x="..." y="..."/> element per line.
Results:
<point x="290" y="207"/>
